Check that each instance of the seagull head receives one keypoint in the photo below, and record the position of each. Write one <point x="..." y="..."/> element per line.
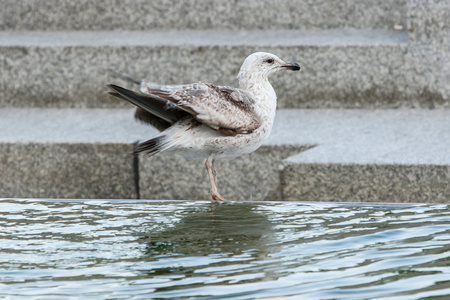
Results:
<point x="262" y="64"/>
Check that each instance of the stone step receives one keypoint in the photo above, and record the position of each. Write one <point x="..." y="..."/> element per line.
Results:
<point x="87" y="153"/>
<point x="341" y="68"/>
<point x="311" y="155"/>
<point x="379" y="156"/>
<point x="66" y="15"/>
<point x="351" y="56"/>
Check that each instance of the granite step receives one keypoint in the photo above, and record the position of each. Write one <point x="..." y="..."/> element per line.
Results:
<point x="341" y="68"/>
<point x="66" y="15"/>
<point x="87" y="153"/>
<point x="425" y="21"/>
<point x="355" y="54"/>
<point x="369" y="156"/>
<point x="311" y="155"/>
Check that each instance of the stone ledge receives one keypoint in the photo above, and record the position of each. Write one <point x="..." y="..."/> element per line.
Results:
<point x="250" y="177"/>
<point x="428" y="21"/>
<point x="366" y="183"/>
<point x="86" y="153"/>
<point x="49" y="170"/>
<point x="359" y="155"/>
<point x="341" y="69"/>
<point x="54" y="15"/>
<point x="373" y="156"/>
<point x="329" y="37"/>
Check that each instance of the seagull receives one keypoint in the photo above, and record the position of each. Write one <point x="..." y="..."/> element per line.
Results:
<point x="205" y="121"/>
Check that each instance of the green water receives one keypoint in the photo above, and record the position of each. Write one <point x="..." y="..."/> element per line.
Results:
<point x="196" y="250"/>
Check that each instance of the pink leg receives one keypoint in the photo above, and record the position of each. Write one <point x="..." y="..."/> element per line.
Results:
<point x="213" y="179"/>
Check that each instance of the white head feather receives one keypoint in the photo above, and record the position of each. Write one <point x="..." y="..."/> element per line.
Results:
<point x="259" y="65"/>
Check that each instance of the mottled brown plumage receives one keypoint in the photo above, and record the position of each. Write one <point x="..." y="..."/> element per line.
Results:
<point x="227" y="110"/>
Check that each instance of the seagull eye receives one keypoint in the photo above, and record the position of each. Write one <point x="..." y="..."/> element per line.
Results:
<point x="270" y="61"/>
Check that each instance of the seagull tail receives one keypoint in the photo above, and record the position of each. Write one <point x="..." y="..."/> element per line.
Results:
<point x="153" y="146"/>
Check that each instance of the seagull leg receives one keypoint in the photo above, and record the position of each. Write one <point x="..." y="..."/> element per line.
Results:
<point x="213" y="179"/>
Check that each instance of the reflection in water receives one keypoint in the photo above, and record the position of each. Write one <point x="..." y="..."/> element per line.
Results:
<point x="220" y="230"/>
<point x="173" y="250"/>
<point x="216" y="236"/>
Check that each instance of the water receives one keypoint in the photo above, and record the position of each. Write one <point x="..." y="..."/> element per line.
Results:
<point x="196" y="250"/>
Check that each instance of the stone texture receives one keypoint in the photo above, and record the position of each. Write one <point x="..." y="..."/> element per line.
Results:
<point x="72" y="126"/>
<point x="351" y="54"/>
<point x="347" y="73"/>
<point x="397" y="137"/>
<point x="66" y="15"/>
<point x="429" y="45"/>
<point x="86" y="153"/>
<point x="348" y="155"/>
<point x="250" y="177"/>
<point x="428" y="21"/>
<point x="366" y="183"/>
<point x="369" y="156"/>
<point x="170" y="38"/>
<point x="68" y="153"/>
<point x="54" y="53"/>
<point x="67" y="171"/>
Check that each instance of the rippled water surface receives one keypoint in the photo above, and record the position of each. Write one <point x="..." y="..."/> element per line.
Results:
<point x="173" y="250"/>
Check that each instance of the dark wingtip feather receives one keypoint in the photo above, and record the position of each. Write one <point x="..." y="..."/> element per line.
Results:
<point x="149" y="118"/>
<point x="151" y="104"/>
<point x="123" y="77"/>
<point x="115" y="88"/>
<point x="118" y="96"/>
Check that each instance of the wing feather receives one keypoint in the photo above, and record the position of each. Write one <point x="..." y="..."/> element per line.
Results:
<point x="157" y="112"/>
<point x="226" y="109"/>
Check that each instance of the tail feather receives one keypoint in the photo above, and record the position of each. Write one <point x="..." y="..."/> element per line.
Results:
<point x="152" y="146"/>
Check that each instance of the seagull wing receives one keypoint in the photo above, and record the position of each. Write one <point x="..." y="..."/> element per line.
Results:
<point x="150" y="109"/>
<point x="225" y="109"/>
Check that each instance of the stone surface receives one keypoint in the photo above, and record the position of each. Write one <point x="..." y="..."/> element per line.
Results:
<point x="354" y="54"/>
<point x="355" y="155"/>
<point x="366" y="183"/>
<point x="372" y="156"/>
<point x="250" y="177"/>
<point x="428" y="21"/>
<point x="86" y="153"/>
<point x="72" y="126"/>
<point x="56" y="15"/>
<point x="329" y="37"/>
<point x="341" y="69"/>
<point x="64" y="153"/>
<point x="398" y="137"/>
<point x="50" y="170"/>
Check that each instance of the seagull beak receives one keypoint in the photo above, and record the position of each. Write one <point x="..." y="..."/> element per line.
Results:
<point x="291" y="66"/>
